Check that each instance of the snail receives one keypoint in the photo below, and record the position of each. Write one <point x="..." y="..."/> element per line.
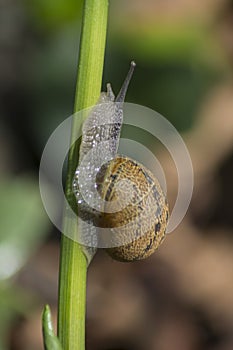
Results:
<point x="115" y="192"/>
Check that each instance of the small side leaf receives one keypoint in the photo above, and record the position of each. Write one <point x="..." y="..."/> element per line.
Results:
<point x="51" y="342"/>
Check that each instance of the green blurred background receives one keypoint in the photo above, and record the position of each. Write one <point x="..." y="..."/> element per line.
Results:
<point x="182" y="297"/>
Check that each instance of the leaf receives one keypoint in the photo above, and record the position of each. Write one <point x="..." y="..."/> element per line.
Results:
<point x="51" y="342"/>
<point x="23" y="223"/>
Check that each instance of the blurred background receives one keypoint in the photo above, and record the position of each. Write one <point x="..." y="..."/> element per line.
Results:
<point x="182" y="297"/>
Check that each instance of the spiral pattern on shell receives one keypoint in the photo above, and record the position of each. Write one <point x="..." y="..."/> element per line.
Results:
<point x="148" y="210"/>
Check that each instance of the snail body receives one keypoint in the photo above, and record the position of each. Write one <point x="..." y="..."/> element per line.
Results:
<point x="126" y="197"/>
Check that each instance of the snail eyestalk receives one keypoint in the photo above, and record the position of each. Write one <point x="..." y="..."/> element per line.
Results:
<point x="123" y="90"/>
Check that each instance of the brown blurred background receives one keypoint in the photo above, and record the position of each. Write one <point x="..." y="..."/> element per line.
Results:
<point x="182" y="297"/>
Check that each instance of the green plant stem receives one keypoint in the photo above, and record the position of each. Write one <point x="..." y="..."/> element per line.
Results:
<point x="73" y="264"/>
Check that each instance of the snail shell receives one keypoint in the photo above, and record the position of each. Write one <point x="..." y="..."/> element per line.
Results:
<point x="139" y="223"/>
<point x="145" y="217"/>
